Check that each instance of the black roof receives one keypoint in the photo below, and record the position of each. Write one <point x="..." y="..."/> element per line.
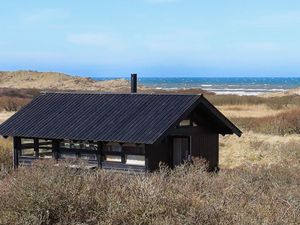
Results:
<point x="132" y="118"/>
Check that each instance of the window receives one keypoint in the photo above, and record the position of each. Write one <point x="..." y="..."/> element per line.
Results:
<point x="64" y="144"/>
<point x="45" y="153"/>
<point x="185" y="123"/>
<point x="113" y="152"/>
<point x="113" y="147"/>
<point x="26" y="141"/>
<point x="133" y="149"/>
<point x="113" y="158"/>
<point x="68" y="155"/>
<point x="90" y="146"/>
<point x="28" y="152"/>
<point x="88" y="156"/>
<point x="138" y="160"/>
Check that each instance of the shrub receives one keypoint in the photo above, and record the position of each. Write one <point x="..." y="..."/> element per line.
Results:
<point x="19" y="92"/>
<point x="5" y="156"/>
<point x="272" y="102"/>
<point x="49" y="194"/>
<point x="12" y="104"/>
<point x="282" y="124"/>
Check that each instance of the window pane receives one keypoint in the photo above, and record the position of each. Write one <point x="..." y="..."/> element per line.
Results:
<point x="88" y="157"/>
<point x="64" y="144"/>
<point x="113" y="158"/>
<point x="134" y="150"/>
<point x="75" y="145"/>
<point x="138" y="160"/>
<point x="28" y="152"/>
<point x="90" y="146"/>
<point x="113" y="147"/>
<point x="185" y="123"/>
<point x="26" y="141"/>
<point x="68" y="155"/>
<point x="45" y="153"/>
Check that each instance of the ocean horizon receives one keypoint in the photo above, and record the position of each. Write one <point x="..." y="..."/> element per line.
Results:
<point x="220" y="85"/>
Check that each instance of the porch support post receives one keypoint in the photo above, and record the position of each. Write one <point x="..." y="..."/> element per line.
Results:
<point x="99" y="154"/>
<point x="17" y="149"/>
<point x="55" y="149"/>
<point x="123" y="159"/>
<point x="36" y="147"/>
<point x="147" y="167"/>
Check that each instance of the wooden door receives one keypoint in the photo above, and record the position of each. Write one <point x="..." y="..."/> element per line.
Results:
<point x="181" y="150"/>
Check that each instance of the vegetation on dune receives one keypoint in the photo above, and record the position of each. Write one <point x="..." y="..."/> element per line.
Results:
<point x="48" y="194"/>
<point x="258" y="182"/>
<point x="278" y="102"/>
<point x="262" y="188"/>
<point x="284" y="123"/>
<point x="12" y="99"/>
<point x="260" y="149"/>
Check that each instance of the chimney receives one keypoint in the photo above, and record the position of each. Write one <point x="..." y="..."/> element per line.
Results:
<point x="133" y="83"/>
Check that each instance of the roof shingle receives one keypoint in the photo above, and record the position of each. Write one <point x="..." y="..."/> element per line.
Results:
<point x="132" y="118"/>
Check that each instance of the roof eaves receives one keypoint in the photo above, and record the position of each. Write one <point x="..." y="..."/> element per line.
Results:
<point x="234" y="129"/>
<point x="182" y="116"/>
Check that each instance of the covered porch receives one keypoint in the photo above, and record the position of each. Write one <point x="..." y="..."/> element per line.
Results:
<point x="107" y="155"/>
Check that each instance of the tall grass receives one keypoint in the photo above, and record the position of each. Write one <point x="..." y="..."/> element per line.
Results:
<point x="284" y="123"/>
<point x="5" y="156"/>
<point x="272" y="102"/>
<point x="12" y="99"/>
<point x="49" y="194"/>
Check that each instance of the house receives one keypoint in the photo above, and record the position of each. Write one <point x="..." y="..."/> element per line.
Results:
<point x="131" y="131"/>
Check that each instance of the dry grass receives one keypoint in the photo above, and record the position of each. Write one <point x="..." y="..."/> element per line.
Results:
<point x="5" y="156"/>
<point x="259" y="149"/>
<point x="260" y="110"/>
<point x="279" y="102"/>
<point x="287" y="122"/>
<point x="47" y="194"/>
<point x="5" y="115"/>
<point x="258" y="183"/>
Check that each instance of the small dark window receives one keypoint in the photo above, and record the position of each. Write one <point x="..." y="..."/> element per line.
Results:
<point x="28" y="152"/>
<point x="113" y="147"/>
<point x="113" y="158"/>
<point x="138" y="160"/>
<point x="185" y="123"/>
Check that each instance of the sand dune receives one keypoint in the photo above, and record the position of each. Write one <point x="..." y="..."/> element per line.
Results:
<point x="60" y="81"/>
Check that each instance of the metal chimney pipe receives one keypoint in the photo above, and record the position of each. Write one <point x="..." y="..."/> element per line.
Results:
<point x="133" y="83"/>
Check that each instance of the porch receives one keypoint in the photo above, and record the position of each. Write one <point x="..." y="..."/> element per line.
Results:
<point x="107" y="155"/>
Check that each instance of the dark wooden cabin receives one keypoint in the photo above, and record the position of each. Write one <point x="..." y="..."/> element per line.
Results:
<point x="118" y="131"/>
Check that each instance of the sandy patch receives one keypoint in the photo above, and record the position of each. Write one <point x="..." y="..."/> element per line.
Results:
<point x="249" y="110"/>
<point x="5" y="115"/>
<point x="254" y="148"/>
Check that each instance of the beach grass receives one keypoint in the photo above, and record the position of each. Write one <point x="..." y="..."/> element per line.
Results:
<point x="251" y="194"/>
<point x="258" y="182"/>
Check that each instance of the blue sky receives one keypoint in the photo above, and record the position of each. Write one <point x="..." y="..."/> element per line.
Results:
<point x="152" y="37"/>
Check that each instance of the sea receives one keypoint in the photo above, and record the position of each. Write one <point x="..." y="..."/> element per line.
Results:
<point x="222" y="85"/>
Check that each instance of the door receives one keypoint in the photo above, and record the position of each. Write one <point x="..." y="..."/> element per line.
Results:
<point x="181" y="150"/>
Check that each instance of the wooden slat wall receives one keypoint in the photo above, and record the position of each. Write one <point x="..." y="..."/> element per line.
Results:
<point x="159" y="152"/>
<point x="206" y="145"/>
